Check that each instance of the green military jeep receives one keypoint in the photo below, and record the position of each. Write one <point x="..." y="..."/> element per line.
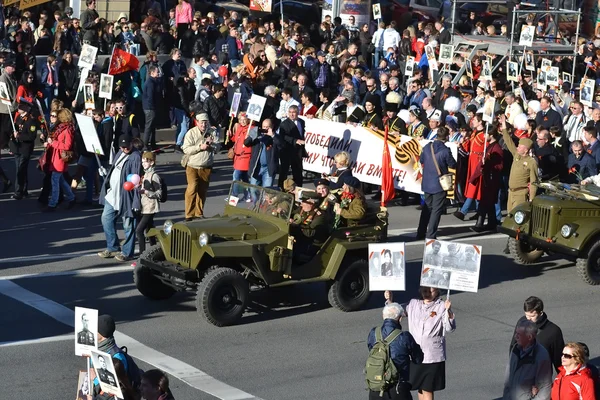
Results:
<point x="249" y="245"/>
<point x="565" y="219"/>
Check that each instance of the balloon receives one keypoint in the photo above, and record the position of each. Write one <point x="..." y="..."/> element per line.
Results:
<point x="128" y="186"/>
<point x="223" y="71"/>
<point x="135" y="179"/>
<point x="129" y="177"/>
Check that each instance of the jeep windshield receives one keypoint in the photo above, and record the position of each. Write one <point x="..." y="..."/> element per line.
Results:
<point x="261" y="200"/>
<point x="588" y="192"/>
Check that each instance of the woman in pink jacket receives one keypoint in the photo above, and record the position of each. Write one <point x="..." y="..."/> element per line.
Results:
<point x="184" y="15"/>
<point x="63" y="140"/>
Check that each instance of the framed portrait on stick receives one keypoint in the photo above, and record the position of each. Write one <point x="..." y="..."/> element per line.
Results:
<point x="106" y="86"/>
<point x="86" y="330"/>
<point x="105" y="372"/>
<point x="387" y="266"/>
<point x="451" y="265"/>
<point x="586" y="94"/>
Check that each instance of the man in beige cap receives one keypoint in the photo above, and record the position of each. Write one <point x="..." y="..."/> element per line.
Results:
<point x="200" y="145"/>
<point x="524" y="169"/>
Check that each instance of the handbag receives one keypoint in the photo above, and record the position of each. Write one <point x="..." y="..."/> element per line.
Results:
<point x="67" y="156"/>
<point x="230" y="153"/>
<point x="446" y="180"/>
<point x="184" y="160"/>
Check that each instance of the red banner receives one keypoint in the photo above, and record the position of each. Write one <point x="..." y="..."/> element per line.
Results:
<point x="122" y="61"/>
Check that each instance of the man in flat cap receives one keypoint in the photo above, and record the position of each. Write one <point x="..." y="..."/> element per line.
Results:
<point x="524" y="169"/>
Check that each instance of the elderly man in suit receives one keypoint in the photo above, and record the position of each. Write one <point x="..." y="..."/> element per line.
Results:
<point x="291" y="146"/>
<point x="547" y="117"/>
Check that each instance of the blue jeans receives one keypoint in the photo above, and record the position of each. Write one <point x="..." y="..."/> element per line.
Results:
<point x="378" y="55"/>
<point x="182" y="124"/>
<point x="264" y="179"/>
<point x="467" y="205"/>
<point x="109" y="225"/>
<point x="58" y="183"/>
<point x="48" y="97"/>
<point x="239" y="176"/>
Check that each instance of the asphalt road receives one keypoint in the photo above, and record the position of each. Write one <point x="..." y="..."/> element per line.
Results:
<point x="290" y="345"/>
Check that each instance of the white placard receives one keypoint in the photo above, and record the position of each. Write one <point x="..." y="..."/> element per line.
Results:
<point x="527" y="35"/>
<point x="552" y="74"/>
<point x="87" y="58"/>
<point x="4" y="96"/>
<point x="469" y="68"/>
<point x="512" y="71"/>
<point x="430" y="54"/>
<point x="566" y="77"/>
<point x="376" y="11"/>
<point x="88" y="96"/>
<point x="451" y="265"/>
<point x="529" y="62"/>
<point x="106" y="86"/>
<point x="541" y="80"/>
<point x="586" y="95"/>
<point x="488" y="109"/>
<point x="105" y="372"/>
<point x="446" y="54"/>
<point x="387" y="266"/>
<point x="546" y="62"/>
<point x="89" y="134"/>
<point x="486" y="70"/>
<point x="409" y="68"/>
<point x="235" y="104"/>
<point x="255" y="107"/>
<point x="83" y="386"/>
<point x="86" y="331"/>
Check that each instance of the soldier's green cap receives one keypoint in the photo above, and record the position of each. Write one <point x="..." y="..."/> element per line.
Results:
<point x="526" y="142"/>
<point x="310" y="197"/>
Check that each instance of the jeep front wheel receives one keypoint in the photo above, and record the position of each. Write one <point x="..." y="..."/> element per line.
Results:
<point x="350" y="291"/>
<point x="589" y="268"/>
<point x="145" y="279"/>
<point x="222" y="296"/>
<point x="522" y="252"/>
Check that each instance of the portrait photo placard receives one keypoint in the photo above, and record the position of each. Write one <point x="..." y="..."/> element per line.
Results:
<point x="586" y="95"/>
<point x="376" y="11"/>
<point x="387" y="266"/>
<point x="88" y="96"/>
<point x="512" y="71"/>
<point x="83" y="386"/>
<point x="451" y="265"/>
<point x="409" y="68"/>
<point x="488" y="109"/>
<point x="486" y="70"/>
<point x="469" y="68"/>
<point x="105" y="372"/>
<point x="86" y="331"/>
<point x="235" y="104"/>
<point x="87" y="59"/>
<point x="255" y="107"/>
<point x="529" y="62"/>
<point x="527" y="35"/>
<point x="106" y="86"/>
<point x="430" y="54"/>
<point x="446" y="54"/>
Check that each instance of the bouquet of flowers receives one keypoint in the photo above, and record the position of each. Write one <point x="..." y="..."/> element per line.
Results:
<point x="345" y="200"/>
<point x="575" y="172"/>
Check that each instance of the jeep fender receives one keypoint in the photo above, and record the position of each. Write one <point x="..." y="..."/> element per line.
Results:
<point x="585" y="236"/>
<point x="342" y="252"/>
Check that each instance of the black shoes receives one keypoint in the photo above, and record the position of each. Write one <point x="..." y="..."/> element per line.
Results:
<point x="459" y="215"/>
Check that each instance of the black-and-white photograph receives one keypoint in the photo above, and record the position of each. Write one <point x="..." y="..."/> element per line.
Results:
<point x="552" y="76"/>
<point x="376" y="11"/>
<point x="486" y="70"/>
<point x="235" y="105"/>
<point x="430" y="54"/>
<point x="83" y="386"/>
<point x="546" y="62"/>
<point x="566" y="77"/>
<point x="106" y="86"/>
<point x="451" y="265"/>
<point x="86" y="330"/>
<point x="587" y="92"/>
<point x="255" y="107"/>
<point x="105" y="372"/>
<point x="529" y="62"/>
<point x="469" y="68"/>
<point x="409" y="69"/>
<point x="527" y="35"/>
<point x="386" y="266"/>
<point x="87" y="58"/>
<point x="88" y="96"/>
<point x="541" y="79"/>
<point x="512" y="71"/>
<point x="446" y="53"/>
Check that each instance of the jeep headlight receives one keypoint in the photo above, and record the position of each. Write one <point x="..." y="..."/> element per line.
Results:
<point x="203" y="239"/>
<point x="168" y="226"/>
<point x="566" y="230"/>
<point x="519" y="217"/>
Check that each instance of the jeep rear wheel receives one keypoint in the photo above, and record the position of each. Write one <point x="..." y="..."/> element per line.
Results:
<point x="522" y="252"/>
<point x="350" y="291"/>
<point x="145" y="279"/>
<point x="222" y="296"/>
<point x="589" y="268"/>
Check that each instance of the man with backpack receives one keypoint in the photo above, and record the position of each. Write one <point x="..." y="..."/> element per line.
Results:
<point x="391" y="351"/>
<point x="106" y="343"/>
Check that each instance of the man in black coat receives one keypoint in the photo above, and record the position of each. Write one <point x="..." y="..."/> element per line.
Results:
<point x="550" y="161"/>
<point x="547" y="117"/>
<point x="549" y="334"/>
<point x="444" y="91"/>
<point x="291" y="146"/>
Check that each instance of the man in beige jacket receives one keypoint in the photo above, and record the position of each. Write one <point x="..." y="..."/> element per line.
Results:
<point x="199" y="147"/>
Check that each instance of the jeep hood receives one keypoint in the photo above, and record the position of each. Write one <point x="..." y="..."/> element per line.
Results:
<point x="235" y="227"/>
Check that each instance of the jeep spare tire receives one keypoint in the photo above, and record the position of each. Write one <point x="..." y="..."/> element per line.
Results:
<point x="522" y="252"/>
<point x="222" y="296"/>
<point x="145" y="279"/>
<point x="589" y="268"/>
<point x="350" y="291"/>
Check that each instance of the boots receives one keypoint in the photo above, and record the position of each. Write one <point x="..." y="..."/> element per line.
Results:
<point x="479" y="224"/>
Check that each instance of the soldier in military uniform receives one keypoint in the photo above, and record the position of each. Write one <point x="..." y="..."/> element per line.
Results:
<point x="470" y="261"/>
<point x="434" y="257"/>
<point x="104" y="375"/>
<point x="352" y="206"/>
<point x="21" y="145"/>
<point x="275" y="205"/>
<point x="524" y="169"/>
<point x="451" y="260"/>
<point x="308" y="227"/>
<point x="85" y="336"/>
<point x="328" y="199"/>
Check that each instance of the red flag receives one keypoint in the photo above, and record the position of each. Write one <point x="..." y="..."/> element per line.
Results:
<point x="387" y="180"/>
<point x="122" y="61"/>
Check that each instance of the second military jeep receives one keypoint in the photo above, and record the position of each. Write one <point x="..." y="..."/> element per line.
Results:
<point x="564" y="219"/>
<point x="249" y="245"/>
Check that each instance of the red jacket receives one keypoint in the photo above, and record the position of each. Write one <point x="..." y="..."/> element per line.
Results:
<point x="578" y="385"/>
<point x="64" y="141"/>
<point x="241" y="159"/>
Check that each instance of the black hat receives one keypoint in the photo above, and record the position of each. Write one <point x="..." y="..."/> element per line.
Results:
<point x="25" y="106"/>
<point x="124" y="140"/>
<point x="391" y="107"/>
<point x="472" y="108"/>
<point x="373" y="99"/>
<point x="106" y="325"/>
<point x="500" y="86"/>
<point x="351" y="181"/>
<point x="310" y="196"/>
<point x="10" y="62"/>
<point x="322" y="181"/>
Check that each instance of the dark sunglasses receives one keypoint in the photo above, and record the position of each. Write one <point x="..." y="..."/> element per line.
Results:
<point x="567" y="356"/>
<point x="52" y="115"/>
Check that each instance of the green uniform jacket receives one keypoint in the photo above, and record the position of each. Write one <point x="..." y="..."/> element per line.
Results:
<point x="524" y="170"/>
<point x="355" y="212"/>
<point x="309" y="231"/>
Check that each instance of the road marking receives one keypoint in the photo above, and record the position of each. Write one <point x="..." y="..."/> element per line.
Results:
<point x="50" y="339"/>
<point x="192" y="376"/>
<point x="101" y="270"/>
<point x="397" y="232"/>
<point x="46" y="257"/>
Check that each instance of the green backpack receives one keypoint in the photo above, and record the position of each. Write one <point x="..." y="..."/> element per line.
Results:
<point x="380" y="371"/>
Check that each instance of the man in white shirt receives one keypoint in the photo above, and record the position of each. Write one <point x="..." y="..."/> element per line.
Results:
<point x="512" y="107"/>
<point x="378" y="43"/>
<point x="391" y="37"/>
<point x="575" y="122"/>
<point x="286" y="102"/>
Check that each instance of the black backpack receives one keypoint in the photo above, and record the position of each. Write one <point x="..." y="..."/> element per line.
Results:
<point x="163" y="190"/>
